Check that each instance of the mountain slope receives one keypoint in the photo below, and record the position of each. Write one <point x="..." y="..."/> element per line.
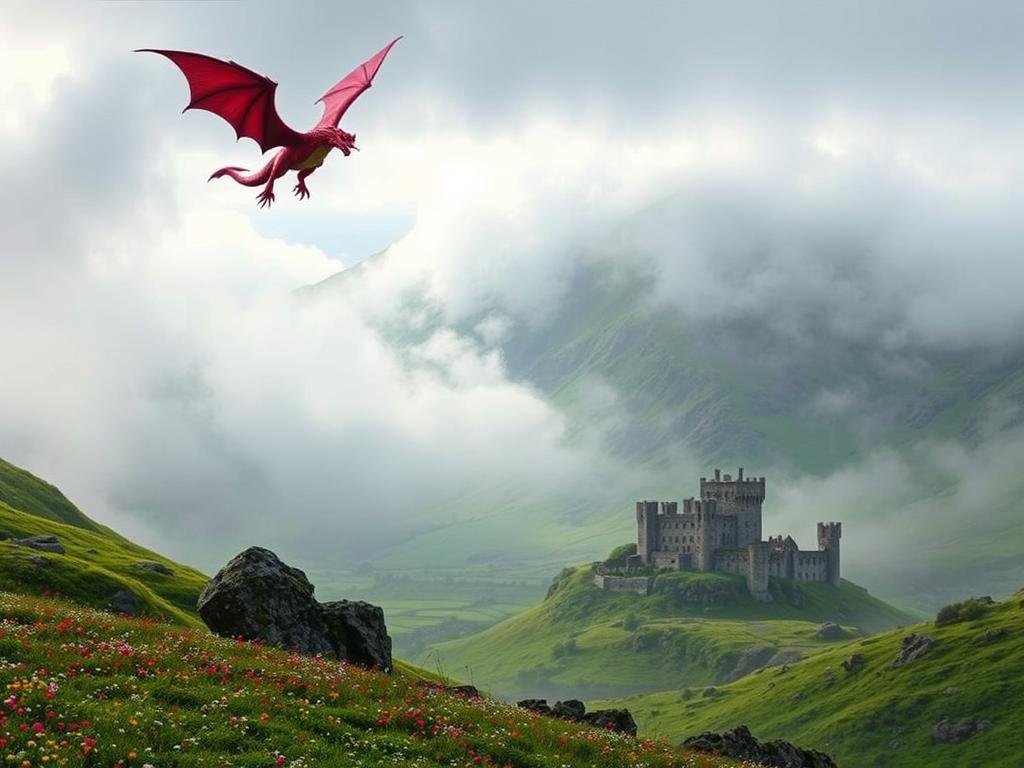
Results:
<point x="20" y="489"/>
<point x="879" y="715"/>
<point x="96" y="564"/>
<point x="696" y="629"/>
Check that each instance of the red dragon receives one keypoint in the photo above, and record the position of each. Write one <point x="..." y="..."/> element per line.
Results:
<point x="246" y="100"/>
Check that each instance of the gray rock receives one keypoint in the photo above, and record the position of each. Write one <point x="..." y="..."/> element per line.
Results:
<point x="854" y="663"/>
<point x="37" y="560"/>
<point x="948" y="731"/>
<point x="990" y="635"/>
<point x="5" y="535"/>
<point x="830" y="631"/>
<point x="612" y="720"/>
<point x="359" y="632"/>
<point x="575" y="711"/>
<point x="951" y="691"/>
<point x="912" y="648"/>
<point x="155" y="567"/>
<point x="258" y="597"/>
<point x="125" y="602"/>
<point x="42" y="543"/>
<point x="571" y="709"/>
<point x="741" y="745"/>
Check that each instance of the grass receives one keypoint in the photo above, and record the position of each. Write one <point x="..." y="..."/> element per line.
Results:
<point x="96" y="564"/>
<point x="879" y="716"/>
<point x="22" y="490"/>
<point x="626" y="643"/>
<point x="88" y="689"/>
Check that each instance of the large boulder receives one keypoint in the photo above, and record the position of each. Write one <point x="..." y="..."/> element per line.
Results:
<point x="258" y="597"/>
<point x="741" y="745"/>
<point x="830" y="631"/>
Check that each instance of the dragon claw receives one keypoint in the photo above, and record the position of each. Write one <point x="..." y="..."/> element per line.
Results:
<point x="265" y="198"/>
<point x="301" y="191"/>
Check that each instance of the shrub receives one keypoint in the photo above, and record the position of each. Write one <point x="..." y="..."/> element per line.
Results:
<point x="622" y="551"/>
<point x="966" y="610"/>
<point x="630" y="621"/>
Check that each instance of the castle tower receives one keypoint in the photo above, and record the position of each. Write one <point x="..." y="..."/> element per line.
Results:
<point x="707" y="530"/>
<point x="646" y="529"/>
<point x="828" y="541"/>
<point x="741" y="497"/>
<point x="757" y="571"/>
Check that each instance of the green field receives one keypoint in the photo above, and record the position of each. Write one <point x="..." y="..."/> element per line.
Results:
<point x="586" y="642"/>
<point x="880" y="715"/>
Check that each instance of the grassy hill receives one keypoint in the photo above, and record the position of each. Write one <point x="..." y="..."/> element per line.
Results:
<point x="588" y="642"/>
<point x="90" y="689"/>
<point x="880" y="715"/>
<point x="97" y="562"/>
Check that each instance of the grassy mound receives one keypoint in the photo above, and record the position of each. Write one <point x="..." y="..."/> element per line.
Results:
<point x="89" y="689"/>
<point x="695" y="629"/>
<point x="878" y="715"/>
<point x="22" y="490"/>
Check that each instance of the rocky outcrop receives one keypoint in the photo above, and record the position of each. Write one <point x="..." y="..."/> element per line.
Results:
<point x="258" y="597"/>
<point x="575" y="711"/>
<point x="124" y="602"/>
<point x="155" y="567"/>
<point x="948" y="731"/>
<point x="854" y="663"/>
<point x="741" y="745"/>
<point x="42" y="543"/>
<point x="912" y="648"/>
<point x="830" y="631"/>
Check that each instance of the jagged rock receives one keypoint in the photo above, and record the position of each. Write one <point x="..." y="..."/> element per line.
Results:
<point x="948" y="731"/>
<point x="540" y="706"/>
<point x="612" y="720"/>
<point x="359" y="632"/>
<point x="741" y="745"/>
<point x="152" y="565"/>
<point x="571" y="709"/>
<point x="830" y="631"/>
<point x="37" y="560"/>
<point x="42" y="543"/>
<point x="124" y="601"/>
<point x="708" y="692"/>
<point x="912" y="648"/>
<point x="575" y="711"/>
<point x="258" y="597"/>
<point x="854" y="663"/>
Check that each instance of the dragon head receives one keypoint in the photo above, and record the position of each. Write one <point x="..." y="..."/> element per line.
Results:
<point x="346" y="142"/>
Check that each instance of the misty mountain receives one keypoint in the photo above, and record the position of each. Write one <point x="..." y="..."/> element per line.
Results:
<point x="906" y="443"/>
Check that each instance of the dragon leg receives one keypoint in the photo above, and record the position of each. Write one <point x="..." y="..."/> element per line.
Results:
<point x="301" y="190"/>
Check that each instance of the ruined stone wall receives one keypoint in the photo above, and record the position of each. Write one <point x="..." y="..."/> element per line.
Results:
<point x="811" y="566"/>
<point x="640" y="585"/>
<point x="732" y="561"/>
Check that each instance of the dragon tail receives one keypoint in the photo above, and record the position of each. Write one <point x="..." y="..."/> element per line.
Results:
<point x="251" y="180"/>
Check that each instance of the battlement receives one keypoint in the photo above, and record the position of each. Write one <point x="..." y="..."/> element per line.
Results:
<point x="692" y="506"/>
<point x="727" y="487"/>
<point x="830" y="531"/>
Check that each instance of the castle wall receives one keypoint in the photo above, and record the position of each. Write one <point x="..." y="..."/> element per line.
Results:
<point x="739" y="498"/>
<point x="811" y="566"/>
<point x="732" y="561"/>
<point x="757" y="570"/>
<point x="640" y="585"/>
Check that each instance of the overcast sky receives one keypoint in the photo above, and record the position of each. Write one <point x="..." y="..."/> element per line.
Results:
<point x="863" y="157"/>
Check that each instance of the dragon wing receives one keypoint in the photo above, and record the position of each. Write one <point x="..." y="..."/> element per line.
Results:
<point x="340" y="97"/>
<point x="242" y="97"/>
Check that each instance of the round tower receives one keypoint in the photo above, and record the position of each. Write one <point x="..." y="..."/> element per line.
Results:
<point x="706" y="533"/>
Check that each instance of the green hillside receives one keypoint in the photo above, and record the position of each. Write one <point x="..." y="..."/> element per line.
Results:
<point x="588" y="642"/>
<point x="879" y="715"/>
<point x="22" y="490"/>
<point x="160" y="695"/>
<point x="96" y="564"/>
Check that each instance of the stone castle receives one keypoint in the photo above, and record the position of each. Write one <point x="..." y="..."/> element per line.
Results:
<point x="721" y="531"/>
